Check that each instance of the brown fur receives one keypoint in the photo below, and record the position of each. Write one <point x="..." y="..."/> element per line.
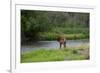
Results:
<point x="62" y="41"/>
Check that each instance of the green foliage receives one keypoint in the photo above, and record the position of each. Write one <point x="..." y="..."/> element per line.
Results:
<point x="35" y="22"/>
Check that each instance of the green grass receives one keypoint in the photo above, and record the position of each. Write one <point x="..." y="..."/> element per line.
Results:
<point x="69" y="33"/>
<point x="74" y="30"/>
<point x="53" y="36"/>
<point x="42" y="55"/>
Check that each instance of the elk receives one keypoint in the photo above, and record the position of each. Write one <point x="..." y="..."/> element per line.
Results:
<point x="62" y="41"/>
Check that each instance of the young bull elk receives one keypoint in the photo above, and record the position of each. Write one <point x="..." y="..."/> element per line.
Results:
<point x="62" y="41"/>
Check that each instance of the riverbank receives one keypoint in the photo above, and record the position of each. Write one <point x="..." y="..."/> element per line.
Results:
<point x="43" y="55"/>
<point x="69" y="36"/>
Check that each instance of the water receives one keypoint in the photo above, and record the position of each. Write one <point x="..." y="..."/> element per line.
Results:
<point x="51" y="45"/>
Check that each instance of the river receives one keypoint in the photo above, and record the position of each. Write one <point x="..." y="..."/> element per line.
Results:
<point x="51" y="45"/>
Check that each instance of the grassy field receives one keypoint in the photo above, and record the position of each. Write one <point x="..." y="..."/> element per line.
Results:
<point x="53" y="36"/>
<point x="69" y="33"/>
<point x="43" y="55"/>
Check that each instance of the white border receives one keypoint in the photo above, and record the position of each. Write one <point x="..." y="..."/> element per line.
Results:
<point x="15" y="60"/>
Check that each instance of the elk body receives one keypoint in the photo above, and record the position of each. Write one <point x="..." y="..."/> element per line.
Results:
<point x="62" y="41"/>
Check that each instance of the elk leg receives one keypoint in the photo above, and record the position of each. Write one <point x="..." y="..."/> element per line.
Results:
<point x="64" y="44"/>
<point x="60" y="45"/>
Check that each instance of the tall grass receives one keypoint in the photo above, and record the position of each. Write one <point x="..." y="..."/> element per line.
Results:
<point x="53" y="36"/>
<point x="69" y="33"/>
<point x="68" y="30"/>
